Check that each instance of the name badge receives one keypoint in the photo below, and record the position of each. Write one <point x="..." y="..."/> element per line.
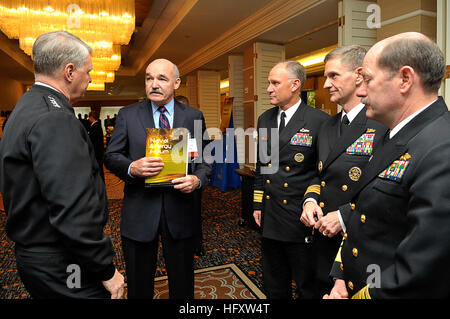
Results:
<point x="192" y="148"/>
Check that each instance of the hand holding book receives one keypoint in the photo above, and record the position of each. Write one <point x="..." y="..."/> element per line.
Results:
<point x="186" y="184"/>
<point x="146" y="167"/>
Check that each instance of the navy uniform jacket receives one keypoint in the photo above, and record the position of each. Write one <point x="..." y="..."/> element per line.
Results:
<point x="397" y="235"/>
<point x="279" y="196"/>
<point x="342" y="161"/>
<point x="50" y="181"/>
<point x="142" y="206"/>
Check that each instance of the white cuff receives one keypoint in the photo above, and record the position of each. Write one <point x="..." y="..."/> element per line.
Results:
<point x="341" y="221"/>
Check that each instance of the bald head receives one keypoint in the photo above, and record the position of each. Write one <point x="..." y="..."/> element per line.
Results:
<point x="415" y="50"/>
<point x="167" y="64"/>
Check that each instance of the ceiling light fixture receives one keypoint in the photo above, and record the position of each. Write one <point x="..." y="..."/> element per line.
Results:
<point x="104" y="25"/>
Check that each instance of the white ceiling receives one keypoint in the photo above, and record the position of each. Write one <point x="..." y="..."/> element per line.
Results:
<point x="178" y="29"/>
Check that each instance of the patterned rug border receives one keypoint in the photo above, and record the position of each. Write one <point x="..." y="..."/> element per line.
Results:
<point x="239" y="273"/>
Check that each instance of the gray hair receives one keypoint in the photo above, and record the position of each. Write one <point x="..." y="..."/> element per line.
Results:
<point x="53" y="50"/>
<point x="295" y="70"/>
<point x="423" y="55"/>
<point x="176" y="72"/>
<point x="351" y="56"/>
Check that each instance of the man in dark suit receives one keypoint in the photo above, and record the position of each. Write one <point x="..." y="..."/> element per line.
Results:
<point x="96" y="135"/>
<point x="54" y="196"/>
<point x="345" y="144"/>
<point x="397" y="236"/>
<point x="166" y="211"/>
<point x="289" y="131"/>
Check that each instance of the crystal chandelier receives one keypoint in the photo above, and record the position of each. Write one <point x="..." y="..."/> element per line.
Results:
<point x="103" y="24"/>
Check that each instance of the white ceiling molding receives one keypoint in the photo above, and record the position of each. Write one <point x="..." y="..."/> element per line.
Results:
<point x="267" y="18"/>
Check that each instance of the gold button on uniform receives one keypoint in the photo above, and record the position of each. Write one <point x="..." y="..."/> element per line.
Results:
<point x="352" y="206"/>
<point x="350" y="285"/>
<point x="269" y="165"/>
<point x="363" y="218"/>
<point x="268" y="181"/>
<point x="267" y="197"/>
<point x="355" y="252"/>
<point x="284" y="202"/>
<point x="287" y="168"/>
<point x="322" y="183"/>
<point x="342" y="266"/>
<point x="344" y="237"/>
<point x="322" y="204"/>
<point x="344" y="188"/>
<point x="285" y="185"/>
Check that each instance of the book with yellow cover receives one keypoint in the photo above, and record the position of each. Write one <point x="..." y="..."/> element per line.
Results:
<point x="171" y="146"/>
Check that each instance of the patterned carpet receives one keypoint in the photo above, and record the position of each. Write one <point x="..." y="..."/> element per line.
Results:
<point x="224" y="240"/>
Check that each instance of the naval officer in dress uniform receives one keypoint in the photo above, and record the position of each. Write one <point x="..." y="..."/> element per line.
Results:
<point x="54" y="196"/>
<point x="396" y="244"/>
<point x="289" y="130"/>
<point x="345" y="144"/>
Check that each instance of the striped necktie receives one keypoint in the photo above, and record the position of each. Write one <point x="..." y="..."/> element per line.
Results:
<point x="163" y="120"/>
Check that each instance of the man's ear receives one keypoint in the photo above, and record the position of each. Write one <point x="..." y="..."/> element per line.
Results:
<point x="407" y="78"/>
<point x="359" y="77"/>
<point x="296" y="84"/>
<point x="68" y="71"/>
<point x="177" y="83"/>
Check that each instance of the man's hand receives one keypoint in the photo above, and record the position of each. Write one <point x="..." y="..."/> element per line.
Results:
<point x="257" y="217"/>
<point x="146" y="166"/>
<point x="186" y="184"/>
<point x="329" y="224"/>
<point x="115" y="285"/>
<point x="311" y="213"/>
<point x="339" y="291"/>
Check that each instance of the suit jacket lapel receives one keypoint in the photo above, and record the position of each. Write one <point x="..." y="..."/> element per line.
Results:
<point x="356" y="129"/>
<point x="146" y="115"/>
<point x="178" y="118"/>
<point x="297" y="121"/>
<point x="333" y="130"/>
<point x="391" y="150"/>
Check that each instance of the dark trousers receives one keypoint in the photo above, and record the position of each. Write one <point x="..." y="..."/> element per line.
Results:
<point x="327" y="249"/>
<point x="45" y="274"/>
<point x="141" y="260"/>
<point x="284" y="262"/>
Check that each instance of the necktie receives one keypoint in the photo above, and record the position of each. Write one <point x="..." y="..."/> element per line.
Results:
<point x="163" y="121"/>
<point x="344" y="124"/>
<point x="282" y="122"/>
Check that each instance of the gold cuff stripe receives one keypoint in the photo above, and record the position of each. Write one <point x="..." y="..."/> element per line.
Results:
<point x="338" y="256"/>
<point x="258" y="196"/>
<point x="362" y="294"/>
<point x="313" y="189"/>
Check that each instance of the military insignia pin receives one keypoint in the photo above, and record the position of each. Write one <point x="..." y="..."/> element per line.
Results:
<point x="53" y="101"/>
<point x="299" y="157"/>
<point x="355" y="173"/>
<point x="320" y="166"/>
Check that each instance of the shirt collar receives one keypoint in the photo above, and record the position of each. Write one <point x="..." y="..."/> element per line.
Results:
<point x="46" y="85"/>
<point x="353" y="113"/>
<point x="169" y="107"/>
<point x="290" y="111"/>
<point x="402" y="124"/>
